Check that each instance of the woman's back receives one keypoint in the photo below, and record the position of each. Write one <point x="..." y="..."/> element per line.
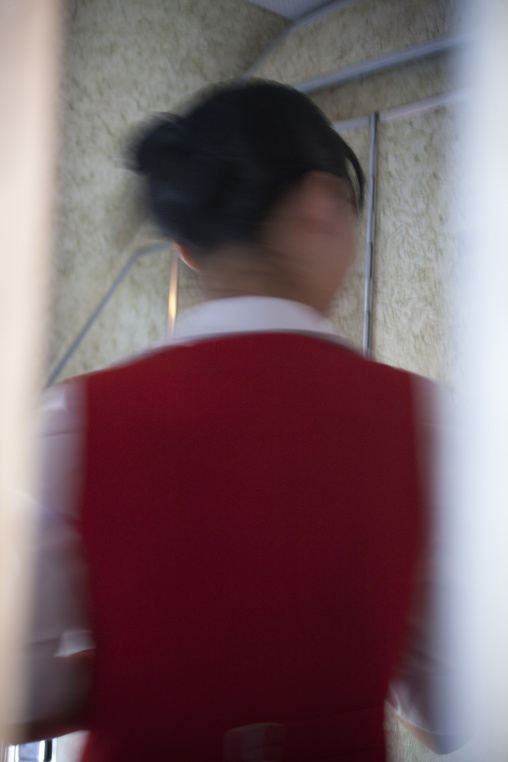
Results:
<point x="251" y="518"/>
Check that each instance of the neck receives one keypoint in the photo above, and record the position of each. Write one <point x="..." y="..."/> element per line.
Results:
<point x="251" y="273"/>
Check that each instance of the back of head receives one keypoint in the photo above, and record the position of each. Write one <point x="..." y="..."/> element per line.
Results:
<point x="215" y="173"/>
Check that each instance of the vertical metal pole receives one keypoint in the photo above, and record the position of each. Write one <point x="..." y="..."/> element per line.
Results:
<point x="173" y="294"/>
<point x="371" y="237"/>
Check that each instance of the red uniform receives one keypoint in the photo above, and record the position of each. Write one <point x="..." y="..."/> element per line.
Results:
<point x="251" y="519"/>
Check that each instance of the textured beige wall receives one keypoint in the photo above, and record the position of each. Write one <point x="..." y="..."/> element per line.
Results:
<point x="360" y="30"/>
<point x="387" y="89"/>
<point x="417" y="242"/>
<point x="124" y="61"/>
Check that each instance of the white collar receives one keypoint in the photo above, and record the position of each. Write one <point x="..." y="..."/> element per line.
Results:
<point x="249" y="314"/>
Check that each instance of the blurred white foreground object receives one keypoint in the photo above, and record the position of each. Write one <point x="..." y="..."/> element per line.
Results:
<point x="480" y="465"/>
<point x="29" y="49"/>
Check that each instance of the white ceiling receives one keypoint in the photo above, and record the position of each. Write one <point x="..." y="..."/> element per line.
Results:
<point x="290" y="9"/>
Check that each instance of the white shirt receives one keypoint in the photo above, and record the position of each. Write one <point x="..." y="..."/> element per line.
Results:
<point x="60" y="620"/>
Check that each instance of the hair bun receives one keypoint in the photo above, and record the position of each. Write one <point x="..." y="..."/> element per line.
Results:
<point x="168" y="135"/>
<point x="213" y="177"/>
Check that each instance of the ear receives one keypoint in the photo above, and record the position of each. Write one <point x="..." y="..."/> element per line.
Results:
<point x="318" y="197"/>
<point x="187" y="255"/>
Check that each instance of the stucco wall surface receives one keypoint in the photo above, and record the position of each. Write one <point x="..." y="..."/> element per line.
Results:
<point x="360" y="30"/>
<point x="388" y="89"/>
<point x="124" y="61"/>
<point x="417" y="243"/>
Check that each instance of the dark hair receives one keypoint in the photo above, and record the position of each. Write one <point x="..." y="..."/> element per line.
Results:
<point x="214" y="174"/>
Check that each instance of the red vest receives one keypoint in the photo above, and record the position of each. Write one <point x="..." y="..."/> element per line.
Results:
<point x="251" y="518"/>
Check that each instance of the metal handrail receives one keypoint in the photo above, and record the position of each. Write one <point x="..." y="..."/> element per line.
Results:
<point x="152" y="249"/>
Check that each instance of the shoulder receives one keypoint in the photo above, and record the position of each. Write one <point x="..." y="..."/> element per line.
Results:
<point x="62" y="421"/>
<point x="61" y="408"/>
